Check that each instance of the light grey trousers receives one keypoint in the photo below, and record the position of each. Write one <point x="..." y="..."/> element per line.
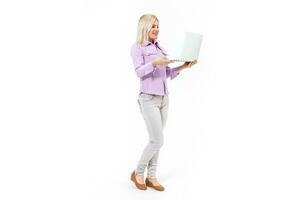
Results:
<point x="154" y="109"/>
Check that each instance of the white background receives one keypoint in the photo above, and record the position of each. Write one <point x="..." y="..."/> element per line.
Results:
<point x="70" y="127"/>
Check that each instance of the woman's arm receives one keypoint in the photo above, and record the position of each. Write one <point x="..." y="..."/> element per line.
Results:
<point x="173" y="72"/>
<point x="141" y="68"/>
<point x="185" y="66"/>
<point x="180" y="68"/>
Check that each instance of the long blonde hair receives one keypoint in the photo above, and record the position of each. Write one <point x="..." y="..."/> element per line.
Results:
<point x="145" y="24"/>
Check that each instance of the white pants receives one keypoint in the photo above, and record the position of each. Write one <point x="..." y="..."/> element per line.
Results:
<point x="154" y="109"/>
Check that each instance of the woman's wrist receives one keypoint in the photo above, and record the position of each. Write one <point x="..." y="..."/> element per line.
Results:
<point x="183" y="66"/>
<point x="179" y="68"/>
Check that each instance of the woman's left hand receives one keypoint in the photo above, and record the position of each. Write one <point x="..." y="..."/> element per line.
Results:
<point x="190" y="64"/>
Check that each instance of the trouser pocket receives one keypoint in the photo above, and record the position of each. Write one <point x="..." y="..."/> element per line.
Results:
<point x="146" y="97"/>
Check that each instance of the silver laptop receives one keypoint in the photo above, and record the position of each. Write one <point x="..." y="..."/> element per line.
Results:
<point x="187" y="48"/>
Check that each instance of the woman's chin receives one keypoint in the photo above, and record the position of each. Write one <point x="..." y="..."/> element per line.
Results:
<point x="154" y="38"/>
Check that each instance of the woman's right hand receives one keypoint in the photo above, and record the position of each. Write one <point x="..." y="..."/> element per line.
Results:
<point x="161" y="61"/>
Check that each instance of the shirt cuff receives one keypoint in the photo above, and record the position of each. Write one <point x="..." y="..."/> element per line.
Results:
<point x="173" y="73"/>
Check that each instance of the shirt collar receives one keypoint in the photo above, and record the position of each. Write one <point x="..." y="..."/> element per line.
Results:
<point x="146" y="43"/>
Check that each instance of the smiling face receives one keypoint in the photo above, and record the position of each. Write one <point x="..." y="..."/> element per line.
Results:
<point x="153" y="33"/>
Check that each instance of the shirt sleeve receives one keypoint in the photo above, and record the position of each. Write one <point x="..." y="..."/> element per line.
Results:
<point x="141" y="68"/>
<point x="171" y="72"/>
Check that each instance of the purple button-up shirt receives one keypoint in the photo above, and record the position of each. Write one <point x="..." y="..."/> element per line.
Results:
<point x="152" y="78"/>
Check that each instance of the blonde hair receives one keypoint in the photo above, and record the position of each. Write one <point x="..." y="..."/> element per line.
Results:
<point x="144" y="26"/>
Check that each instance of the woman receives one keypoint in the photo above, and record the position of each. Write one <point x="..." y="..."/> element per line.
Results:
<point x="151" y="66"/>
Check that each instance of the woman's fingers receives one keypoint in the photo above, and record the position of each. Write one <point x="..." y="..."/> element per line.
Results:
<point x="161" y="61"/>
<point x="190" y="64"/>
<point x="165" y="59"/>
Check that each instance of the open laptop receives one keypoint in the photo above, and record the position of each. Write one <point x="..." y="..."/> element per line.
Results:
<point x="187" y="47"/>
